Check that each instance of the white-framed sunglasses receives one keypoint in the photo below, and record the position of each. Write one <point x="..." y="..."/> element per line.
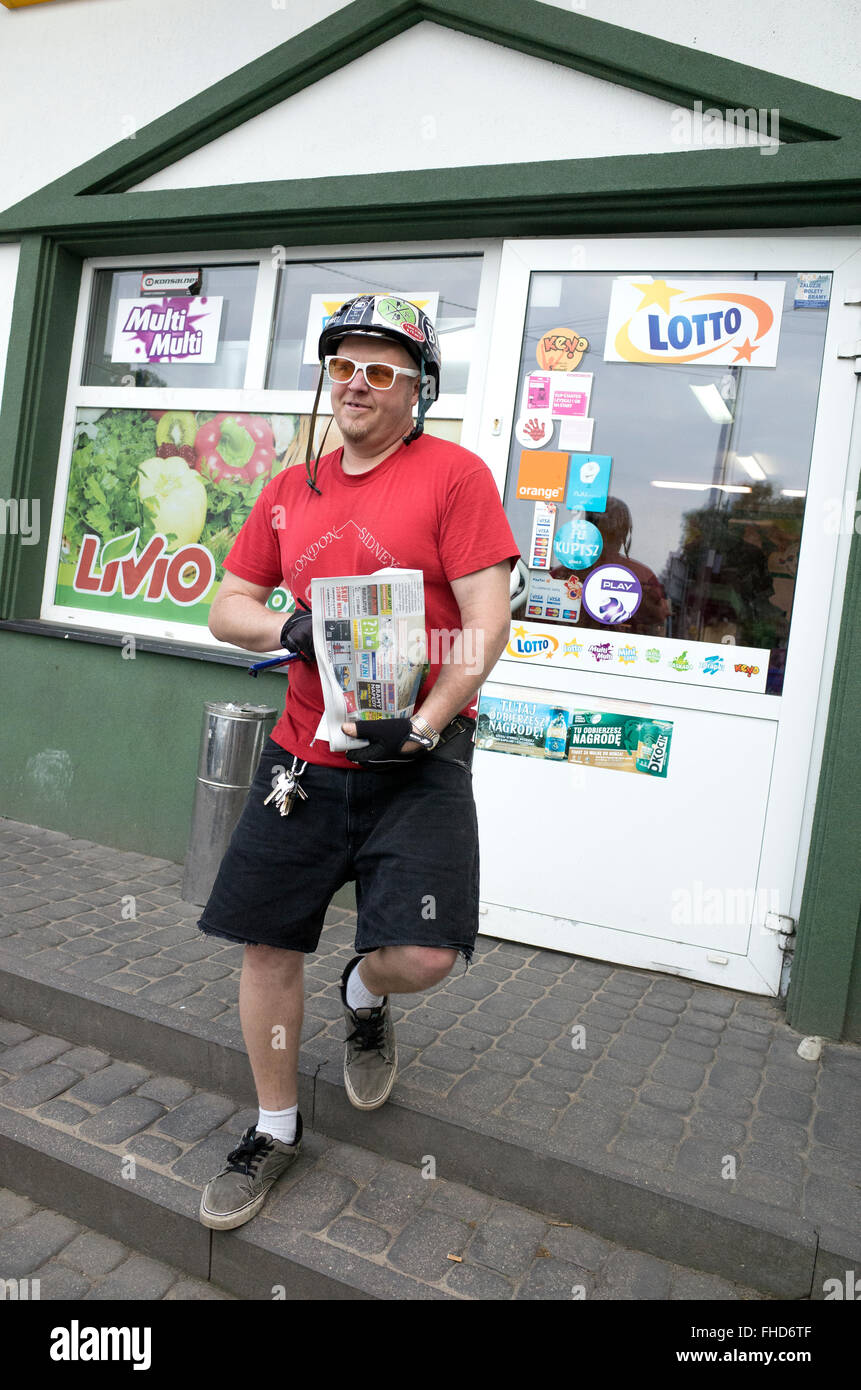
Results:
<point x="380" y="375"/>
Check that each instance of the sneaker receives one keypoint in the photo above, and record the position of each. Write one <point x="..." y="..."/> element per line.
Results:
<point x="238" y="1192"/>
<point x="371" y="1054"/>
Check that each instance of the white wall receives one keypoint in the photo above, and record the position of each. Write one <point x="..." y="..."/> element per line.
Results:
<point x="80" y="75"/>
<point x="472" y="102"/>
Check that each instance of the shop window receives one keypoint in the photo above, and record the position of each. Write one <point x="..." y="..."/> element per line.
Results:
<point x="127" y="322"/>
<point x="446" y="287"/>
<point x="162" y="460"/>
<point x="688" y="479"/>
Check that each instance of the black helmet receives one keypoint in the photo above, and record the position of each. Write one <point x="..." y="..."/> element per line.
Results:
<point x="388" y="316"/>
<point x="381" y="316"/>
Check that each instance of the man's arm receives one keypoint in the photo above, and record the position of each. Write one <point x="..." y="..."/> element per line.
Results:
<point x="485" y="611"/>
<point x="239" y="615"/>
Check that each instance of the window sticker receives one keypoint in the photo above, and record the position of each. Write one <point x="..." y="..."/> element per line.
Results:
<point x="611" y="594"/>
<point x="812" y="291"/>
<point x="174" y="328"/>
<point x="561" y="349"/>
<point x="588" y="482"/>
<point x="684" y="321"/>
<point x="541" y="476"/>
<point x="725" y="666"/>
<point x="575" y="433"/>
<point x="564" y="394"/>
<point x="555" y="599"/>
<point x="577" y="545"/>
<point x="541" y="544"/>
<point x="534" y="429"/>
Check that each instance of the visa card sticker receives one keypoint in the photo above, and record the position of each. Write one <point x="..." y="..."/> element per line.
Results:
<point x="541" y="545"/>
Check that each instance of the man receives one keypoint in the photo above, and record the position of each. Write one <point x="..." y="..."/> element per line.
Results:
<point x="397" y="813"/>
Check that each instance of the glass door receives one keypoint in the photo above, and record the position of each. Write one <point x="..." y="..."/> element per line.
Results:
<point x="667" y="421"/>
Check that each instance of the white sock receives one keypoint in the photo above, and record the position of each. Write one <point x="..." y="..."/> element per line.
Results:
<point x="358" y="997"/>
<point x="281" y="1124"/>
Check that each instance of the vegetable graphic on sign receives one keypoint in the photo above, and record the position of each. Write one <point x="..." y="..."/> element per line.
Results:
<point x="175" y="433"/>
<point x="176" y="497"/>
<point x="234" y="447"/>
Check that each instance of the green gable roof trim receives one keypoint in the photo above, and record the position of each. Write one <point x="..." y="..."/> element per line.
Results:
<point x="813" y="179"/>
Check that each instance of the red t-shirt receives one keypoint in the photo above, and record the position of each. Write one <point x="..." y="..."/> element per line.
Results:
<point x="430" y="505"/>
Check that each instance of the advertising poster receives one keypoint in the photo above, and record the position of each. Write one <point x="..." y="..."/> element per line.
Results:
<point x="615" y="742"/>
<point x="155" y="500"/>
<point x="621" y="742"/>
<point x="522" y="726"/>
<point x="709" y="321"/>
<point x="176" y="328"/>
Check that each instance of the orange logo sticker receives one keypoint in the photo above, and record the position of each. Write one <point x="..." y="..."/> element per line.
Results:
<point x="542" y="476"/>
<point x="560" y="350"/>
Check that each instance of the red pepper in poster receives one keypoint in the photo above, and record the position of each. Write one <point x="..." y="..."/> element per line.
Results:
<point x="235" y="446"/>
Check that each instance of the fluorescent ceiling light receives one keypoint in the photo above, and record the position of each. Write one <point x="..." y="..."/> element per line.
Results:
<point x="793" y="492"/>
<point x="752" y="467"/>
<point x="713" y="403"/>
<point x="688" y="487"/>
<point x="703" y="487"/>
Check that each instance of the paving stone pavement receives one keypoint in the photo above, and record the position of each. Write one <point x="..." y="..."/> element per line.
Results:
<point x="71" y="1261"/>
<point x="443" y="1235"/>
<point x="661" y="1077"/>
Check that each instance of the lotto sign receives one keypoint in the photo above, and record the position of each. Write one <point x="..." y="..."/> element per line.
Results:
<point x="707" y="321"/>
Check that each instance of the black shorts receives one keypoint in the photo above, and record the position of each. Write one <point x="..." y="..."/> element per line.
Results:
<point x="408" y="837"/>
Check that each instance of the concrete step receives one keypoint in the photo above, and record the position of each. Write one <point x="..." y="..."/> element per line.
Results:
<point x="570" y="1175"/>
<point x="46" y="1256"/>
<point x="658" y="1113"/>
<point x="117" y="1149"/>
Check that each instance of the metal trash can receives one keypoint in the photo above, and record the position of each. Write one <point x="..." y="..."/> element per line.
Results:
<point x="230" y="747"/>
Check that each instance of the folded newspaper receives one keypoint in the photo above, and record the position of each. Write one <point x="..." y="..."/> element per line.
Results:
<point x="370" y="645"/>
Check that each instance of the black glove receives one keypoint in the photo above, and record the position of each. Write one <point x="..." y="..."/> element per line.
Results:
<point x="297" y="636"/>
<point x="386" y="738"/>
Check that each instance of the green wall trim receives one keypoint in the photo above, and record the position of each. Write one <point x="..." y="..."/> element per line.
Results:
<point x="106" y="748"/>
<point x="31" y="414"/>
<point x="825" y="986"/>
<point x="812" y="181"/>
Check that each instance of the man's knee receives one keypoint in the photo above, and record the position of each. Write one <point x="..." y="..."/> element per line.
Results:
<point x="427" y="965"/>
<point x="273" y="960"/>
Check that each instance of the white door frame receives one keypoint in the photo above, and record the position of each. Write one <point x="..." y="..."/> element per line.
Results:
<point x="802" y="708"/>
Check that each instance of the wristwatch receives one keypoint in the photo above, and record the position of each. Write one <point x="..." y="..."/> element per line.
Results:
<point x="424" y="733"/>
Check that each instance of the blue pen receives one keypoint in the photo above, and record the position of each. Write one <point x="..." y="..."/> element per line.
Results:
<point x="273" y="661"/>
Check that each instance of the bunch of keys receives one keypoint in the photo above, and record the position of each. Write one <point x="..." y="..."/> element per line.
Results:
<point x="286" y="788"/>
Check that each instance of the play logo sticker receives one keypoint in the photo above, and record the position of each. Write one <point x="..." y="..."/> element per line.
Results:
<point x="612" y="594"/>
